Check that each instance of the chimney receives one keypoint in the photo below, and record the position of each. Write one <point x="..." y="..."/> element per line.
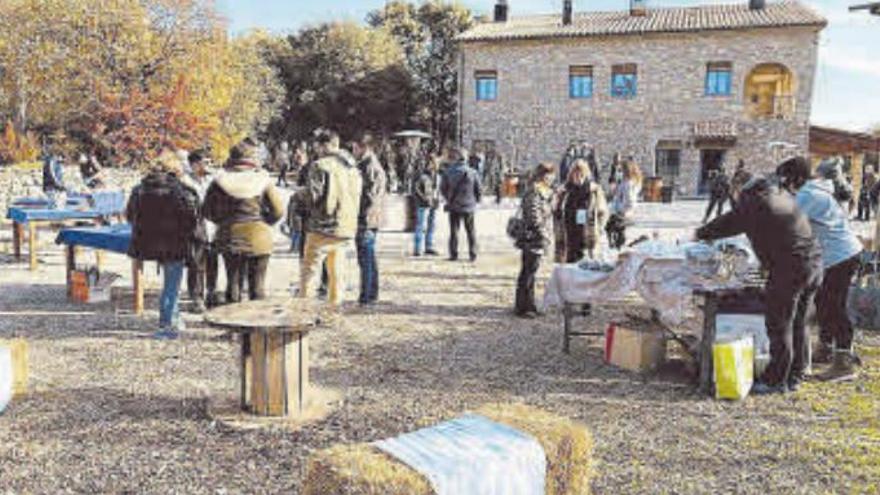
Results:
<point x="566" y="13"/>
<point x="501" y="9"/>
<point x="638" y="8"/>
<point x="757" y="4"/>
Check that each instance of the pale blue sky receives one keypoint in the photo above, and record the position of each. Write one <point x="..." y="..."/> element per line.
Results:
<point x="847" y="92"/>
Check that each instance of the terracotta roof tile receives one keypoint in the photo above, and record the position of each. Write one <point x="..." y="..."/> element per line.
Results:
<point x="788" y="13"/>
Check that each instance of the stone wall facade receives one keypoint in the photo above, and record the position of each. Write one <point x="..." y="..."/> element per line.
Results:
<point x="534" y="119"/>
<point x="16" y="183"/>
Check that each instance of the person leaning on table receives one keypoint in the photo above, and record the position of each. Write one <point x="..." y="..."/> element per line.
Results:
<point x="163" y="215"/>
<point x="841" y="258"/>
<point x="782" y="239"/>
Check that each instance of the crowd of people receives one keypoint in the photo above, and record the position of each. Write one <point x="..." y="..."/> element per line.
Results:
<point x="187" y="219"/>
<point x="796" y="220"/>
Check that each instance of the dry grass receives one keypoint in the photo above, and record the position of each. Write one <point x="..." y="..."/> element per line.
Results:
<point x="110" y="410"/>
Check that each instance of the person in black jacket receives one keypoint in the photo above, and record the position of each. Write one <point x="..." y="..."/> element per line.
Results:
<point x="163" y="214"/>
<point x="537" y="215"/>
<point x="782" y="238"/>
<point x="462" y="191"/>
<point x="426" y="195"/>
<point x="719" y="192"/>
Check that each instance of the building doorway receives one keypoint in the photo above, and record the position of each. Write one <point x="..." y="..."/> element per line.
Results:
<point x="710" y="160"/>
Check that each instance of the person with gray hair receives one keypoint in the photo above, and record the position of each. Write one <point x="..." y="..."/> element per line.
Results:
<point x="462" y="191"/>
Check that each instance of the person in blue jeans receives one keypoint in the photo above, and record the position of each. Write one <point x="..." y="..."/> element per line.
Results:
<point x="163" y="214"/>
<point x="426" y="194"/>
<point x="369" y="217"/>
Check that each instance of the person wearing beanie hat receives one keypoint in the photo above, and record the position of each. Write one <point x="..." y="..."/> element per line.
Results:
<point x="163" y="215"/>
<point x="841" y="258"/>
<point x="782" y="239"/>
<point x="244" y="204"/>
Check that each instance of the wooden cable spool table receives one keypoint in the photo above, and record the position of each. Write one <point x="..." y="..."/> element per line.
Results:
<point x="274" y="359"/>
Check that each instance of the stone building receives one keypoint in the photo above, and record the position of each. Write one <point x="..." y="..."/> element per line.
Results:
<point x="681" y="90"/>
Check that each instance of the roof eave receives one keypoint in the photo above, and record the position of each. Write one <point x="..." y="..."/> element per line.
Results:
<point x="550" y="36"/>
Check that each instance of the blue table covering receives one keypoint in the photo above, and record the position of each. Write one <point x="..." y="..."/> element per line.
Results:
<point x="90" y="206"/>
<point x="115" y="238"/>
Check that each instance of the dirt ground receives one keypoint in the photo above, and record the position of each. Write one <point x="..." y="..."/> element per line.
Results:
<point x="112" y="411"/>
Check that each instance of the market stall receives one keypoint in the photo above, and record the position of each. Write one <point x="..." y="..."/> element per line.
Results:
<point x="31" y="213"/>
<point x="678" y="281"/>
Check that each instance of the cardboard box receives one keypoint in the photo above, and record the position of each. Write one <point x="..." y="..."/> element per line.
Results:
<point x="89" y="286"/>
<point x="634" y="349"/>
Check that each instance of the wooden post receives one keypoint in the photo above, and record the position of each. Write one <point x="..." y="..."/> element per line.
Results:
<point x="71" y="266"/>
<point x="137" y="279"/>
<point x="17" y="234"/>
<point x="710" y="309"/>
<point x="32" y="245"/>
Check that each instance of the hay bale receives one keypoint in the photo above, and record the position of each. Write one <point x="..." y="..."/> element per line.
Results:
<point x="361" y="469"/>
<point x="19" y="350"/>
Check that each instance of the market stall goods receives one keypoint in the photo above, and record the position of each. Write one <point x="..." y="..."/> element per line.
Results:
<point x="362" y="469"/>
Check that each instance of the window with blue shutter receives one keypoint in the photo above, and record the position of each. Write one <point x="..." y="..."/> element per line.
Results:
<point x="487" y="85"/>
<point x="580" y="81"/>
<point x="719" y="79"/>
<point x="624" y="81"/>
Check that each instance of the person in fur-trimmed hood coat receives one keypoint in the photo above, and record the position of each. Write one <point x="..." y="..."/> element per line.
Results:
<point x="244" y="204"/>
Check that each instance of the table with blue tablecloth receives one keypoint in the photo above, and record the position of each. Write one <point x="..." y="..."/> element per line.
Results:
<point x="95" y="208"/>
<point x="114" y="239"/>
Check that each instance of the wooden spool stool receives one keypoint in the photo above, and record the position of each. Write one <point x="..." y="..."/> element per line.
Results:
<point x="274" y="361"/>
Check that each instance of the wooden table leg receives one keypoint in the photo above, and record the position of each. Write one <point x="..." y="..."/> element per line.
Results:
<point x="32" y="245"/>
<point x="17" y="234"/>
<point x="245" y="371"/>
<point x="71" y="266"/>
<point x="710" y="309"/>
<point x="137" y="268"/>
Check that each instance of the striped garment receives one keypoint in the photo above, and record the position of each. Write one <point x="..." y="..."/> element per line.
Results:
<point x="473" y="456"/>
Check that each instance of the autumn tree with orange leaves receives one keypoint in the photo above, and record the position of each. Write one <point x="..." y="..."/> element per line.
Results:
<point x="126" y="76"/>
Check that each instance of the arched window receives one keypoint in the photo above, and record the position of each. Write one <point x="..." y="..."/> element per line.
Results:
<point x="770" y="92"/>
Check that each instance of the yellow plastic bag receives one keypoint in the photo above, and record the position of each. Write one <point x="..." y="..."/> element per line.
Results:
<point x="734" y="366"/>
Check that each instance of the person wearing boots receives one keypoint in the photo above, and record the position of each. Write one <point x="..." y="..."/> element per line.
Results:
<point x="244" y="204"/>
<point x="332" y="196"/>
<point x="462" y="191"/>
<point x="201" y="265"/>
<point x="782" y="239"/>
<point x="584" y="210"/>
<point x="841" y="257"/>
<point x="537" y="235"/>
<point x="163" y="214"/>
